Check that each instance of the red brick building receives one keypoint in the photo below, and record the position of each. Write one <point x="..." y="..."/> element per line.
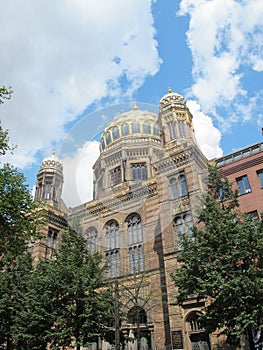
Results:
<point x="244" y="168"/>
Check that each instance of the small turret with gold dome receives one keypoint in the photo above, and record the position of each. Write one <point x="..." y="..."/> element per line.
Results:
<point x="52" y="162"/>
<point x="50" y="180"/>
<point x="175" y="119"/>
<point x="172" y="99"/>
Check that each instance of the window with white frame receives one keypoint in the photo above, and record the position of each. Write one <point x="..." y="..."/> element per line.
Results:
<point x="243" y="184"/>
<point x="260" y="177"/>
<point x="112" y="248"/>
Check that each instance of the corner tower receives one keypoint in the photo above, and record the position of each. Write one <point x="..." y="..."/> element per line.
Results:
<point x="175" y="120"/>
<point x="49" y="188"/>
<point x="50" y="180"/>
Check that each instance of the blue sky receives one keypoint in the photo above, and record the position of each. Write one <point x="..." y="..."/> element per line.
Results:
<point x="70" y="61"/>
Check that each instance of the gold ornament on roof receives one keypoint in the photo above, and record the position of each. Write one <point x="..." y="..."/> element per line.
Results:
<point x="135" y="107"/>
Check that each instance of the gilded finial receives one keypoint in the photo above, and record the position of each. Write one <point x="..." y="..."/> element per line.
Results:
<point x="170" y="90"/>
<point x="135" y="107"/>
<point x="53" y="152"/>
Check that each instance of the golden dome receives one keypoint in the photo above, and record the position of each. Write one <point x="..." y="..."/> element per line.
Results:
<point x="52" y="163"/>
<point x="134" y="123"/>
<point x="172" y="99"/>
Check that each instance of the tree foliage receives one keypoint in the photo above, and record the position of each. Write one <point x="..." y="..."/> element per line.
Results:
<point x="20" y="218"/>
<point x="13" y="286"/>
<point x="222" y="260"/>
<point x="5" y="94"/>
<point x="68" y="301"/>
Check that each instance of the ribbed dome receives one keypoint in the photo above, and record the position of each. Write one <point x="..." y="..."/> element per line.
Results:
<point x="52" y="163"/>
<point x="130" y="124"/>
<point x="172" y="99"/>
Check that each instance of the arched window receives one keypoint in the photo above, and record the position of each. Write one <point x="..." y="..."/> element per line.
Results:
<point x="47" y="189"/>
<point x="115" y="133"/>
<point x="108" y="138"/>
<point x="188" y="224"/>
<point x="51" y="243"/>
<point x="135" y="128"/>
<point x="125" y="129"/>
<point x="184" y="223"/>
<point x="136" y="256"/>
<point x="102" y="144"/>
<point x="146" y="127"/>
<point x="171" y="129"/>
<point x="183" y="185"/>
<point x="193" y="322"/>
<point x="181" y="128"/>
<point x="179" y="186"/>
<point x="92" y="240"/>
<point x="112" y="248"/>
<point x="52" y="238"/>
<point x="134" y="229"/>
<point x="137" y="315"/>
<point x="115" y="176"/>
<point x="138" y="171"/>
<point x="178" y="224"/>
<point x="156" y="130"/>
<point x="174" y="186"/>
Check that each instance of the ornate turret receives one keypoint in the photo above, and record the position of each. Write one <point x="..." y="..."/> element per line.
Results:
<point x="175" y="119"/>
<point x="50" y="180"/>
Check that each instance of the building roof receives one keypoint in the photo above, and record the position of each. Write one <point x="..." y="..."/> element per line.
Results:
<point x="130" y="124"/>
<point x="52" y="163"/>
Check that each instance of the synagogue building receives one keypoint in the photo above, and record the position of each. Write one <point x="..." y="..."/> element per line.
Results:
<point x="148" y="181"/>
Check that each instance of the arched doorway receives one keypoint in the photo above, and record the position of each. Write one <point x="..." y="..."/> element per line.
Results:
<point x="198" y="336"/>
<point x="139" y="334"/>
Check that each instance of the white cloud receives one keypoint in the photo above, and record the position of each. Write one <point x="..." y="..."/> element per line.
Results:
<point x="225" y="38"/>
<point x="78" y="174"/>
<point x="61" y="56"/>
<point x="207" y="135"/>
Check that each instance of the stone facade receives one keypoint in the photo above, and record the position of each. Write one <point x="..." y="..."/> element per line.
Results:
<point x="148" y="181"/>
<point x="48" y="189"/>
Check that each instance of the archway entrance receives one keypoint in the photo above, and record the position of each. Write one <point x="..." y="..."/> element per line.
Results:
<point x="198" y="336"/>
<point x="139" y="334"/>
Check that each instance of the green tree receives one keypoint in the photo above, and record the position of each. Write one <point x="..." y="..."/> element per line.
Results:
<point x="69" y="301"/>
<point x="20" y="218"/>
<point x="5" y="94"/>
<point x="13" y="286"/>
<point x="222" y="260"/>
